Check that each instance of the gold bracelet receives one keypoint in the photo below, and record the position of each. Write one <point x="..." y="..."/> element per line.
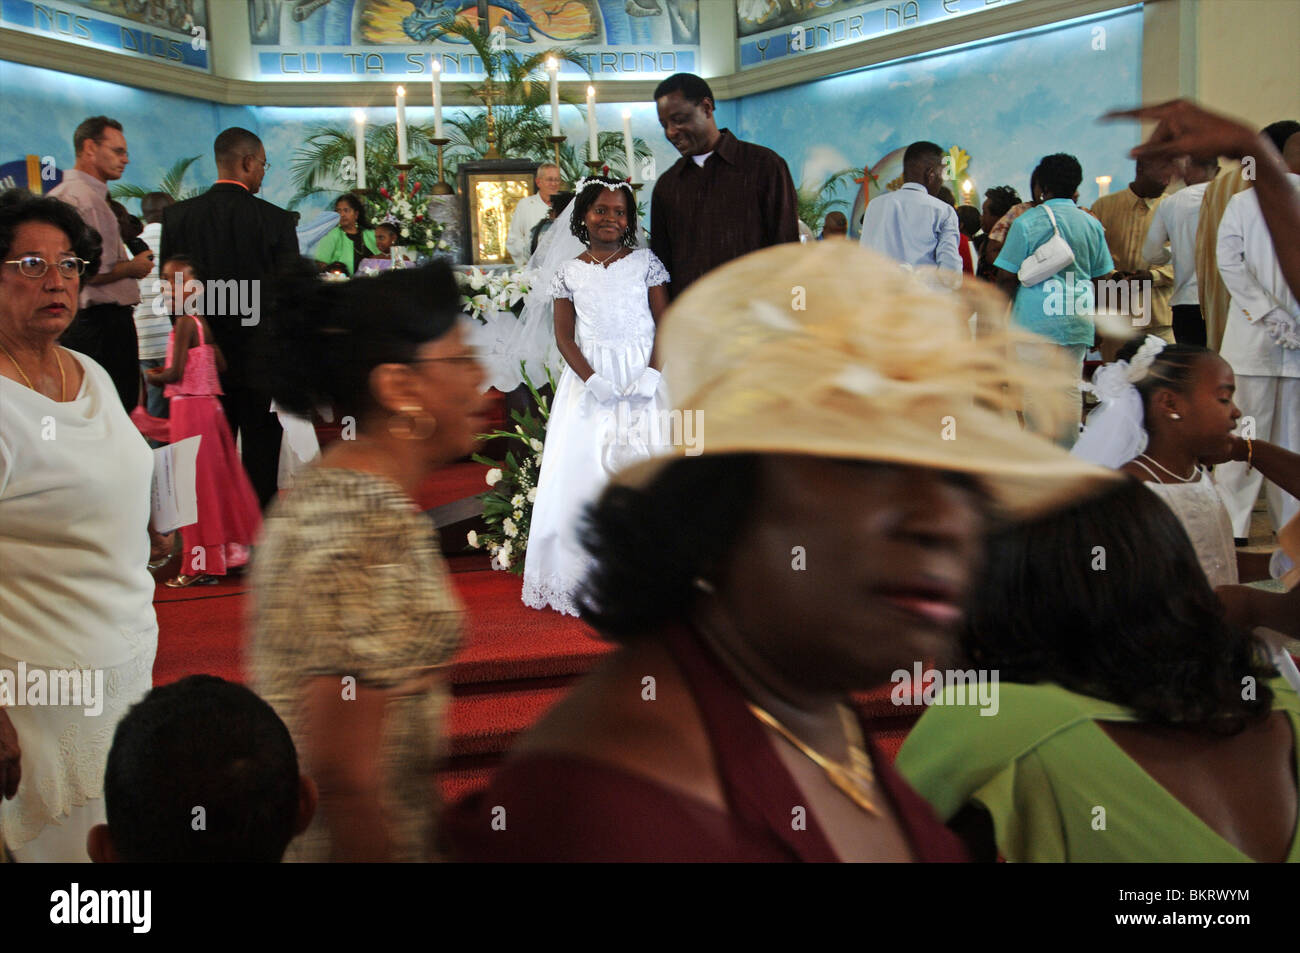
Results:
<point x="1250" y="454"/>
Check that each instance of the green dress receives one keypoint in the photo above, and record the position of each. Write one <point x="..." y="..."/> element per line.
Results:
<point x="337" y="246"/>
<point x="1057" y="787"/>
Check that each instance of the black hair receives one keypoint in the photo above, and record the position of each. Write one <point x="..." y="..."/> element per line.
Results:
<point x="185" y="261"/>
<point x="233" y="143"/>
<point x="923" y="151"/>
<point x="389" y="226"/>
<point x="357" y="206"/>
<point x="92" y="130"/>
<point x="1172" y="369"/>
<point x="1001" y="198"/>
<point x="560" y="201"/>
<point x="201" y="742"/>
<point x="152" y="205"/>
<point x="650" y="544"/>
<point x="945" y="196"/>
<point x="336" y="266"/>
<point x="1059" y="175"/>
<point x="18" y="206"/>
<point x="1142" y="629"/>
<point x="1281" y="131"/>
<point x="587" y="198"/>
<point x="324" y="338"/>
<point x="839" y="218"/>
<point x="968" y="219"/>
<point x="693" y="88"/>
<point x="127" y="224"/>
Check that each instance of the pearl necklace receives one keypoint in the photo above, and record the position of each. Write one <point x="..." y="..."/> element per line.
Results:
<point x="1188" y="479"/>
<point x="63" y="381"/>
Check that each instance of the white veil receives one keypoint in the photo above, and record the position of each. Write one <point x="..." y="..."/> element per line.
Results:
<point x="533" y="340"/>
<point x="1116" y="430"/>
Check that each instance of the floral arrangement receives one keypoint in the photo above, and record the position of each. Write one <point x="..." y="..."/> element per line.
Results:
<point x="501" y="290"/>
<point x="409" y="211"/>
<point x="508" y="504"/>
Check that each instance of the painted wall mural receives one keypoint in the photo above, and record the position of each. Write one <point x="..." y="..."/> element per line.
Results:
<point x="175" y="31"/>
<point x="303" y="39"/>
<point x="774" y="29"/>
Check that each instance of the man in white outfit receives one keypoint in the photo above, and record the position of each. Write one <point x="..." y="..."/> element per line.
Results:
<point x="1262" y="343"/>
<point x="531" y="210"/>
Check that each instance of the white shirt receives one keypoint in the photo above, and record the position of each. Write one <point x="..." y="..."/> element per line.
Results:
<point x="912" y="226"/>
<point x="1249" y="268"/>
<point x="530" y="210"/>
<point x="75" y="589"/>
<point x="1174" y="221"/>
<point x="699" y="160"/>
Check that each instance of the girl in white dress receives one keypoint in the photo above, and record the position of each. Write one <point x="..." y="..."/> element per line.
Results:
<point x="609" y="405"/>
<point x="1169" y="408"/>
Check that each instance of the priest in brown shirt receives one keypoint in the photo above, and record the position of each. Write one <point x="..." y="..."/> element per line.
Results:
<point x="724" y="198"/>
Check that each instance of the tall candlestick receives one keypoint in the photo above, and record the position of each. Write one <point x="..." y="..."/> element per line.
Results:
<point x="553" y="68"/>
<point x="593" y="149"/>
<point x="361" y="148"/>
<point x="967" y="187"/>
<point x="1103" y="185"/>
<point x="401" y="125"/>
<point x="627" y="144"/>
<point x="437" y="98"/>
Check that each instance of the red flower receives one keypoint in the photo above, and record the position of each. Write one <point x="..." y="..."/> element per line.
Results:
<point x="419" y="218"/>
<point x="417" y="187"/>
<point x="383" y="191"/>
<point x="604" y="170"/>
<point x="401" y="179"/>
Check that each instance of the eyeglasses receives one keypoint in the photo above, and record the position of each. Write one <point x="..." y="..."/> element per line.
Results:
<point x="265" y="163"/>
<point x="34" y="266"/>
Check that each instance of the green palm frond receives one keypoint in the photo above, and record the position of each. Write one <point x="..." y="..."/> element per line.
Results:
<point x="171" y="183"/>
<point x="814" y="203"/>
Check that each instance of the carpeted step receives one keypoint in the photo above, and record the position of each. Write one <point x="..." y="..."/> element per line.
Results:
<point x="488" y="723"/>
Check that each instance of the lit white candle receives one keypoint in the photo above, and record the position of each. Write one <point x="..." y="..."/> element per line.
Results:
<point x="553" y="68"/>
<point x="1103" y="185"/>
<point x="437" y="97"/>
<point x="967" y="187"/>
<point x="361" y="148"/>
<point x="593" y="148"/>
<point x="627" y="143"/>
<point x="401" y="125"/>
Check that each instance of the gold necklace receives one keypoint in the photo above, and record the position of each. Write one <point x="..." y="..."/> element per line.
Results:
<point x="63" y="382"/>
<point x="853" y="779"/>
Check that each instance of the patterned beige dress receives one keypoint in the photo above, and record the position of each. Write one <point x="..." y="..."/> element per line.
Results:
<point x="348" y="581"/>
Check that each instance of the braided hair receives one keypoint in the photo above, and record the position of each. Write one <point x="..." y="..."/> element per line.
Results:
<point x="589" y="189"/>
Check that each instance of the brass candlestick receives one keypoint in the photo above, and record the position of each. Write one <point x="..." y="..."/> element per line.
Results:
<point x="488" y="93"/>
<point x="403" y="166"/>
<point x="440" y="187"/>
<point x="555" y="144"/>
<point x="595" y="165"/>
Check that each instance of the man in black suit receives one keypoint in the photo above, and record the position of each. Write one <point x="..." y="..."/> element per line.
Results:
<point x="233" y="236"/>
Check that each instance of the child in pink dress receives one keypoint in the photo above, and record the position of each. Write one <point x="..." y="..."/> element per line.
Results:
<point x="229" y="517"/>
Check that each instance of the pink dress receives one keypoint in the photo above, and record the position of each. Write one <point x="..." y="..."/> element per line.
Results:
<point x="229" y="517"/>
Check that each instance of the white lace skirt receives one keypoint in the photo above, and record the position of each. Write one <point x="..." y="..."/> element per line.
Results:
<point x="585" y="443"/>
<point x="64" y="753"/>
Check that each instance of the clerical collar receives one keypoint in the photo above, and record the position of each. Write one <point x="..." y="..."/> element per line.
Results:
<point x="699" y="160"/>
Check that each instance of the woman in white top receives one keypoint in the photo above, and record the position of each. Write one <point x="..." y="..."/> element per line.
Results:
<point x="78" y="632"/>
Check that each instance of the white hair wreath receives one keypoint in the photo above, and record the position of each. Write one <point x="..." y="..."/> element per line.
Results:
<point x="1144" y="358"/>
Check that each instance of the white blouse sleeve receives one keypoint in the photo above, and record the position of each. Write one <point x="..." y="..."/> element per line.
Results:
<point x="656" y="273"/>
<point x="559" y="287"/>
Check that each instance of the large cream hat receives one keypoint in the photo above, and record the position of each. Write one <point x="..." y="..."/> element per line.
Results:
<point x="830" y="350"/>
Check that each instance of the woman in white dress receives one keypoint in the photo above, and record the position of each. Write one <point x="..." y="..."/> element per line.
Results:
<point x="609" y="405"/>
<point x="1169" y="409"/>
<point x="76" y="597"/>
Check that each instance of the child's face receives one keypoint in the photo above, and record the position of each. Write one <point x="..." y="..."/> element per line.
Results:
<point x="383" y="240"/>
<point x="607" y="219"/>
<point x="179" y="288"/>
<point x="1209" y="413"/>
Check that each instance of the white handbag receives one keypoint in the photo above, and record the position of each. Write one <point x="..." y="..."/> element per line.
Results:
<point x="1048" y="258"/>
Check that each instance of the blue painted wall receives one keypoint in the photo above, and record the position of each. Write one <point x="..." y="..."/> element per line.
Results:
<point x="1007" y="103"/>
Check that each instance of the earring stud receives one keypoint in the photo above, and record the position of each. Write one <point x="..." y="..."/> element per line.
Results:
<point x="1175" y="417"/>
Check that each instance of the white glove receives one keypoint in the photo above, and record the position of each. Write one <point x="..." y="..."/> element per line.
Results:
<point x="645" y="386"/>
<point x="601" y="389"/>
<point x="1282" y="329"/>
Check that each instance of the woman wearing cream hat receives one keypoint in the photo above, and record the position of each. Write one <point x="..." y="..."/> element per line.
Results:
<point x="855" y="446"/>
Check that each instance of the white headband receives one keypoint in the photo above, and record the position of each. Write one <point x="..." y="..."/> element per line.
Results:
<point x="618" y="185"/>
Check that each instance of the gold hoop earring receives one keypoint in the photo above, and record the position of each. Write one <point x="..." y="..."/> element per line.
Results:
<point x="413" y="427"/>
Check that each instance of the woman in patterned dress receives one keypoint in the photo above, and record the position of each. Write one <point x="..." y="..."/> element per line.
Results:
<point x="353" y="611"/>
